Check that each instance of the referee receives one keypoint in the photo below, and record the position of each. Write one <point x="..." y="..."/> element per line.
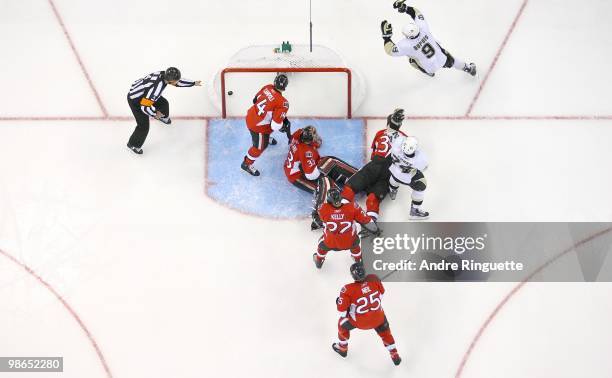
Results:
<point x="146" y="101"/>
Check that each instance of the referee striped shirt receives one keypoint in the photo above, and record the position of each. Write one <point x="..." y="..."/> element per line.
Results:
<point x="147" y="90"/>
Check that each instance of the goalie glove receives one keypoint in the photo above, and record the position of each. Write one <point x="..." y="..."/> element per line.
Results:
<point x="286" y="128"/>
<point x="386" y="29"/>
<point x="400" y="5"/>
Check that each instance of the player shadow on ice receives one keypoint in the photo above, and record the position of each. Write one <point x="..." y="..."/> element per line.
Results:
<point x="271" y="195"/>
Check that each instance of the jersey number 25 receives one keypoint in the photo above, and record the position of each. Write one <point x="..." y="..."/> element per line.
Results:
<point x="364" y="304"/>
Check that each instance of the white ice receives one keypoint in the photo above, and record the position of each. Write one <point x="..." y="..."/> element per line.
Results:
<point x="172" y="284"/>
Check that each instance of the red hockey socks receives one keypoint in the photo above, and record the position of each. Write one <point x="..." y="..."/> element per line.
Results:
<point x="343" y="333"/>
<point x="252" y="155"/>
<point x="320" y="256"/>
<point x="372" y="206"/>
<point x="356" y="253"/>
<point x="388" y="340"/>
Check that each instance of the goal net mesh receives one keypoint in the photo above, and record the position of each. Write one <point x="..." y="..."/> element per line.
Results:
<point x="264" y="56"/>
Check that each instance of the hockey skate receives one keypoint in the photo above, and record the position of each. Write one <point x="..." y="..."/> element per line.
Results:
<point x="417" y="213"/>
<point x="249" y="169"/>
<point x="273" y="141"/>
<point x="135" y="149"/>
<point x="165" y="120"/>
<point x="318" y="261"/>
<point x="341" y="350"/>
<point x="393" y="193"/>
<point x="470" y="68"/>
<point x="395" y="357"/>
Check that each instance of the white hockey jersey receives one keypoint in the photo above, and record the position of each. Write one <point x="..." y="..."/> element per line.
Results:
<point x="404" y="167"/>
<point x="424" y="48"/>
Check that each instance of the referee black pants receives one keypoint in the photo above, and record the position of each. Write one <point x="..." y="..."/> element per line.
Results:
<point x="142" y="120"/>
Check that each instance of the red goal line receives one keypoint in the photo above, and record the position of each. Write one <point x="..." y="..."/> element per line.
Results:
<point x="411" y="117"/>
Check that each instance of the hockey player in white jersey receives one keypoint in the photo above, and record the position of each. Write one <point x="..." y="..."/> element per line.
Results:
<point x="409" y="162"/>
<point x="424" y="52"/>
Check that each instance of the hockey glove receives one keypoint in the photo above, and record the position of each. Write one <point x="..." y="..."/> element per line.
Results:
<point x="408" y="169"/>
<point x="400" y="5"/>
<point x="370" y="229"/>
<point x="387" y="29"/>
<point x="286" y="128"/>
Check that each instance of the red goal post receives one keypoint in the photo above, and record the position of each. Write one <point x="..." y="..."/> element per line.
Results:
<point x="349" y="81"/>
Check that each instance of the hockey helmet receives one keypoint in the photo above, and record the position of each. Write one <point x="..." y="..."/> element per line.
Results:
<point x="334" y="197"/>
<point x="411" y="30"/>
<point x="410" y="145"/>
<point x="172" y="74"/>
<point x="308" y="134"/>
<point x="395" y="119"/>
<point x="281" y="81"/>
<point x="358" y="272"/>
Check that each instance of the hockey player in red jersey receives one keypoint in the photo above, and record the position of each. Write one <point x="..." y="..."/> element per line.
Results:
<point x="301" y="165"/>
<point x="373" y="178"/>
<point x="360" y="306"/>
<point x="307" y="170"/>
<point x="340" y="231"/>
<point x="268" y="113"/>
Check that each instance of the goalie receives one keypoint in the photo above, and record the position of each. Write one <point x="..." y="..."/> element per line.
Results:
<point x="308" y="171"/>
<point x="423" y="51"/>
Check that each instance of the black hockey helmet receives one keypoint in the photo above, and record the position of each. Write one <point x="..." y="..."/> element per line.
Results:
<point x="280" y="82"/>
<point x="395" y="119"/>
<point x="308" y="134"/>
<point x="358" y="271"/>
<point x="172" y="74"/>
<point x="334" y="197"/>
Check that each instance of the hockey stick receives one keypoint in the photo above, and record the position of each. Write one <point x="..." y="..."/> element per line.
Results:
<point x="310" y="21"/>
<point x="391" y="273"/>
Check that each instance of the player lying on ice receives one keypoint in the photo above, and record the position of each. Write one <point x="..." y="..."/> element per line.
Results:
<point x="339" y="217"/>
<point x="423" y="51"/>
<point x="360" y="306"/>
<point x="307" y="170"/>
<point x="373" y="178"/>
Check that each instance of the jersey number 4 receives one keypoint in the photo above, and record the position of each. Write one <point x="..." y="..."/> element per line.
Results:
<point x="261" y="106"/>
<point x="369" y="303"/>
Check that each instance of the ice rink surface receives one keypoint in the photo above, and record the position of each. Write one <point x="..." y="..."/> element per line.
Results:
<point x="126" y="267"/>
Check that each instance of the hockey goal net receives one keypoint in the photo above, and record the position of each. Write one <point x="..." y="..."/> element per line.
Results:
<point x="320" y="82"/>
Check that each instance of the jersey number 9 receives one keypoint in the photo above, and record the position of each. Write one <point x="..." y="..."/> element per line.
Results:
<point x="428" y="50"/>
